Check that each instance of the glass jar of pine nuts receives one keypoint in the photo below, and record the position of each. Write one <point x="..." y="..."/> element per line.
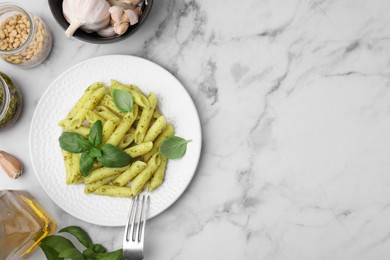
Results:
<point x="25" y="40"/>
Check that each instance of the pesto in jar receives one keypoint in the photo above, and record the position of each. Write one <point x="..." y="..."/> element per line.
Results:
<point x="10" y="102"/>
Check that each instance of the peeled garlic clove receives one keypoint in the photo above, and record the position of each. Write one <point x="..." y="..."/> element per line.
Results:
<point x="107" y="32"/>
<point x="116" y="14"/>
<point x="121" y="28"/>
<point x="11" y="165"/>
<point x="132" y="16"/>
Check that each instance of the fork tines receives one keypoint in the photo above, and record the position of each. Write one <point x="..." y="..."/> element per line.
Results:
<point x="135" y="226"/>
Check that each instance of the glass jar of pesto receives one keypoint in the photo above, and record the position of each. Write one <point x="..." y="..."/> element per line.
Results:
<point x="10" y="102"/>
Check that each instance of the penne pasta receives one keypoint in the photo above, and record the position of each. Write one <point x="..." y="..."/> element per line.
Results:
<point x="127" y="139"/>
<point x="68" y="165"/>
<point x="92" y="117"/>
<point x="108" y="102"/>
<point x="82" y="130"/>
<point x="130" y="173"/>
<point x="80" y="103"/>
<point x="89" y="188"/>
<point x="107" y="114"/>
<point x="108" y="129"/>
<point x="155" y="129"/>
<point x="102" y="173"/>
<point x="159" y="175"/>
<point x="167" y="132"/>
<point x="139" y="149"/>
<point x="144" y="121"/>
<point x="114" y="191"/>
<point x="138" y="183"/>
<point x="123" y="127"/>
<point x="89" y="104"/>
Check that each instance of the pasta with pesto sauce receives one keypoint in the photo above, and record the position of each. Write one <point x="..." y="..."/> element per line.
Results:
<point x="138" y="133"/>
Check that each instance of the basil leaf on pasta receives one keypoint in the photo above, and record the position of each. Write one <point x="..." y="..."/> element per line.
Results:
<point x="113" y="157"/>
<point x="95" y="134"/>
<point x="86" y="163"/>
<point x="74" y="143"/>
<point x="122" y="100"/>
<point x="174" y="147"/>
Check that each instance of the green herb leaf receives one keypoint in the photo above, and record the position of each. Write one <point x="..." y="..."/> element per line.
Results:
<point x="86" y="163"/>
<point x="50" y="253"/>
<point x="174" y="147"/>
<point x="95" y="134"/>
<point x="116" y="255"/>
<point x="98" y="248"/>
<point x="79" y="233"/>
<point x="89" y="253"/>
<point x="74" y="143"/>
<point x="123" y="100"/>
<point x="113" y="157"/>
<point x="71" y="253"/>
<point x="57" y="243"/>
<point x="95" y="152"/>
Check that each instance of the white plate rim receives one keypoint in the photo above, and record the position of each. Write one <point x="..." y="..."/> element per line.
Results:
<point x="59" y="77"/>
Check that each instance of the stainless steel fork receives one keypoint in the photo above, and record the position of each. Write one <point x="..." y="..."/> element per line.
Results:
<point x="133" y="240"/>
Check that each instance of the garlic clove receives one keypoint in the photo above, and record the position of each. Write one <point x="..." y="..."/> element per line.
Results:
<point x="138" y="11"/>
<point x="116" y="14"/>
<point x="107" y="32"/>
<point x="132" y="16"/>
<point x="121" y="28"/>
<point x="11" y="165"/>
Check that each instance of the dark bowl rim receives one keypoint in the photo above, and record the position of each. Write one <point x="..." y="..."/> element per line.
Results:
<point x="108" y="40"/>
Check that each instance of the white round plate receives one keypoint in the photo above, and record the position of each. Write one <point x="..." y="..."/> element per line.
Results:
<point x="174" y="102"/>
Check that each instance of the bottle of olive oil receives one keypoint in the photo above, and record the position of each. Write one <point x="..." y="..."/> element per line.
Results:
<point x="23" y="224"/>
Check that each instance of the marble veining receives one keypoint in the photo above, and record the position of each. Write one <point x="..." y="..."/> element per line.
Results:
<point x="294" y="102"/>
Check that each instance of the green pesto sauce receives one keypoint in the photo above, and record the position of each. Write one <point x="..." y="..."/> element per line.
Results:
<point x="15" y="103"/>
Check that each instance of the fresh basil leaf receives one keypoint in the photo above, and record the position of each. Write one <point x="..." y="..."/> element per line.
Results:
<point x="86" y="163"/>
<point x="116" y="255"/>
<point x="79" y="233"/>
<point x="98" y="248"/>
<point x="95" y="134"/>
<point x="89" y="253"/>
<point x="174" y="147"/>
<point x="95" y="152"/>
<point x="72" y="253"/>
<point x="50" y="253"/>
<point x="57" y="243"/>
<point x="113" y="157"/>
<point x="74" y="143"/>
<point x="123" y="100"/>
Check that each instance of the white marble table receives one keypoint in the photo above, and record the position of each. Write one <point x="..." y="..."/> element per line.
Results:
<point x="294" y="102"/>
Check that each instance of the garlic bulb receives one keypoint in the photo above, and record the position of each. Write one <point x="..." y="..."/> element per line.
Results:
<point x="90" y="15"/>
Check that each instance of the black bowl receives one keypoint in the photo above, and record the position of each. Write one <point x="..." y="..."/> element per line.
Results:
<point x="56" y="10"/>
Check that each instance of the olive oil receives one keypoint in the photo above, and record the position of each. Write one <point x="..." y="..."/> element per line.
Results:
<point x="23" y="224"/>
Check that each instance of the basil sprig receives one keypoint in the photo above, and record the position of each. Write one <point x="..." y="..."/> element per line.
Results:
<point x="57" y="247"/>
<point x="108" y="155"/>
<point x="122" y="100"/>
<point x="174" y="147"/>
